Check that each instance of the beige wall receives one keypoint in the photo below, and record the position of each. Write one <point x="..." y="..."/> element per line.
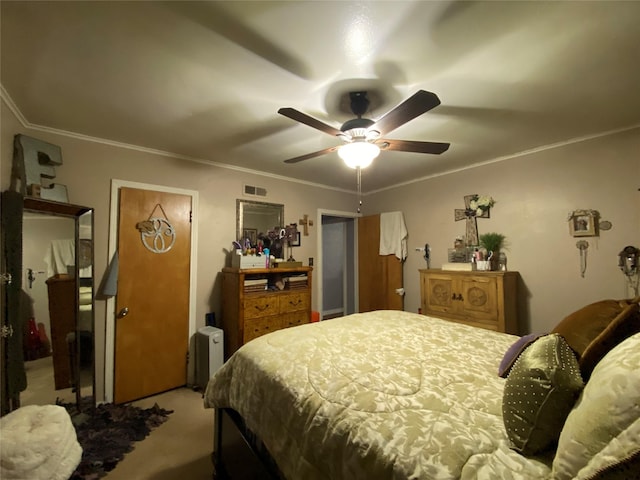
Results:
<point x="88" y="168"/>
<point x="534" y="194"/>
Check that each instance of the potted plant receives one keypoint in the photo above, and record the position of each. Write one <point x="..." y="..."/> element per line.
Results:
<point x="492" y="242"/>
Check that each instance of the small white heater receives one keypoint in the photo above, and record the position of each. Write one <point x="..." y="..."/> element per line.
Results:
<point x="209" y="353"/>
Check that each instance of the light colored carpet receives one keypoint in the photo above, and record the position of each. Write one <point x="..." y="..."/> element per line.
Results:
<point x="179" y="449"/>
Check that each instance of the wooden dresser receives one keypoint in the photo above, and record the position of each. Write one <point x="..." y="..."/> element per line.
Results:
<point x="62" y="291"/>
<point x="481" y="299"/>
<point x="249" y="311"/>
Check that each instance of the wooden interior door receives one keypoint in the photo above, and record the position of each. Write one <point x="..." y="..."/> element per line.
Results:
<point x="378" y="275"/>
<point x="152" y="303"/>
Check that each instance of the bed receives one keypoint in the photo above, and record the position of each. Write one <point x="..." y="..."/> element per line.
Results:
<point x="396" y="395"/>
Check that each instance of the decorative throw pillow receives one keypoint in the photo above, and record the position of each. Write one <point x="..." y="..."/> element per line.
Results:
<point x="581" y="327"/>
<point x="602" y="431"/>
<point x="595" y="329"/>
<point x="514" y="351"/>
<point x="539" y="393"/>
<point x="622" y="327"/>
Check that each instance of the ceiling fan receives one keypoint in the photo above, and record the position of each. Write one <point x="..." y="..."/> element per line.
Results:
<point x="362" y="136"/>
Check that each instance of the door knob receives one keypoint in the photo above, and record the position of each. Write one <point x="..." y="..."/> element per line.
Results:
<point x="123" y="312"/>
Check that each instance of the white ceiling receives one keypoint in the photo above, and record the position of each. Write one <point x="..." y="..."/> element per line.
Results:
<point x="205" y="80"/>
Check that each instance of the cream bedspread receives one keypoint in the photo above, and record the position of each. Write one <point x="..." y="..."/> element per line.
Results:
<point x="380" y="395"/>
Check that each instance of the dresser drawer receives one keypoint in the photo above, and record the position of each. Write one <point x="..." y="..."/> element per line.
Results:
<point x="255" y="307"/>
<point x="256" y="327"/>
<point x="294" y="302"/>
<point x="294" y="319"/>
<point x="488" y="325"/>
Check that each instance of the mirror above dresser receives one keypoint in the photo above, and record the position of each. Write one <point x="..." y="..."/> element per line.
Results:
<point x="254" y="218"/>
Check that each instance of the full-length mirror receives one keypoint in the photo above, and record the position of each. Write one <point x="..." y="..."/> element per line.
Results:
<point x="57" y="290"/>
<point x="255" y="218"/>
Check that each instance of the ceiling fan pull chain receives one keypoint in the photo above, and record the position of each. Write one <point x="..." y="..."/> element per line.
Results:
<point x="359" y="182"/>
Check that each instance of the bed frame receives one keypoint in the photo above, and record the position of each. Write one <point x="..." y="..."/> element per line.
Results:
<point x="236" y="447"/>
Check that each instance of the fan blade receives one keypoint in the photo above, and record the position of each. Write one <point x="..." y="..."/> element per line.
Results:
<point x="416" y="105"/>
<point x="298" y="116"/>
<point x="435" y="148"/>
<point x="311" y="155"/>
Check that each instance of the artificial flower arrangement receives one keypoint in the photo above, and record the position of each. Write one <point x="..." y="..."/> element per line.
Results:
<point x="480" y="204"/>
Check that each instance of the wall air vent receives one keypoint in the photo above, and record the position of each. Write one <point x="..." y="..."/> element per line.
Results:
<point x="253" y="191"/>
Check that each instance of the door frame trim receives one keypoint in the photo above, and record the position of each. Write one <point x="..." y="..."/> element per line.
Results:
<point x="109" y="350"/>
<point x="317" y="269"/>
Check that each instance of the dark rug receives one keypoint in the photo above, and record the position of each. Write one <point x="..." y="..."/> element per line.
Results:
<point x="107" y="432"/>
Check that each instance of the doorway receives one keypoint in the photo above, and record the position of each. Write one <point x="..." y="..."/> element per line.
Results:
<point x="337" y="264"/>
<point x="113" y="333"/>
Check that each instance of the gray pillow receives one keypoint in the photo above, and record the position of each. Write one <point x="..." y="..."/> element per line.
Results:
<point x="539" y="393"/>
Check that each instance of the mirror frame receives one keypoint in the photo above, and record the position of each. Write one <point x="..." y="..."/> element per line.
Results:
<point x="34" y="204"/>
<point x="241" y="206"/>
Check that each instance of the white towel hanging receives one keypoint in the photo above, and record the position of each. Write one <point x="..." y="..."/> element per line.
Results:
<point x="393" y="235"/>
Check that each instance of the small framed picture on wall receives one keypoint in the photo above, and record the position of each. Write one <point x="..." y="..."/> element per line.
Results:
<point x="296" y="241"/>
<point x="583" y="223"/>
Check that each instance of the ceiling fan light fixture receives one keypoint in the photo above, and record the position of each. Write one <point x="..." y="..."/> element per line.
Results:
<point x="359" y="153"/>
<point x="362" y="135"/>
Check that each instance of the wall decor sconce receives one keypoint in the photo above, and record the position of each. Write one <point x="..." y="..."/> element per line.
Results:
<point x="582" y="245"/>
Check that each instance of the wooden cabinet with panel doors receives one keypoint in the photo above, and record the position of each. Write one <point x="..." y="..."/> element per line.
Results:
<point x="481" y="299"/>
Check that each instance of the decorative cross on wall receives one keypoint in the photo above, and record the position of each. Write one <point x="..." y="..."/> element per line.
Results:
<point x="470" y="216"/>
<point x="306" y="223"/>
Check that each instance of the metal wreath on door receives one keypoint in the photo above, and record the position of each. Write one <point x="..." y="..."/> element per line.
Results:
<point x="155" y="232"/>
<point x="152" y="324"/>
